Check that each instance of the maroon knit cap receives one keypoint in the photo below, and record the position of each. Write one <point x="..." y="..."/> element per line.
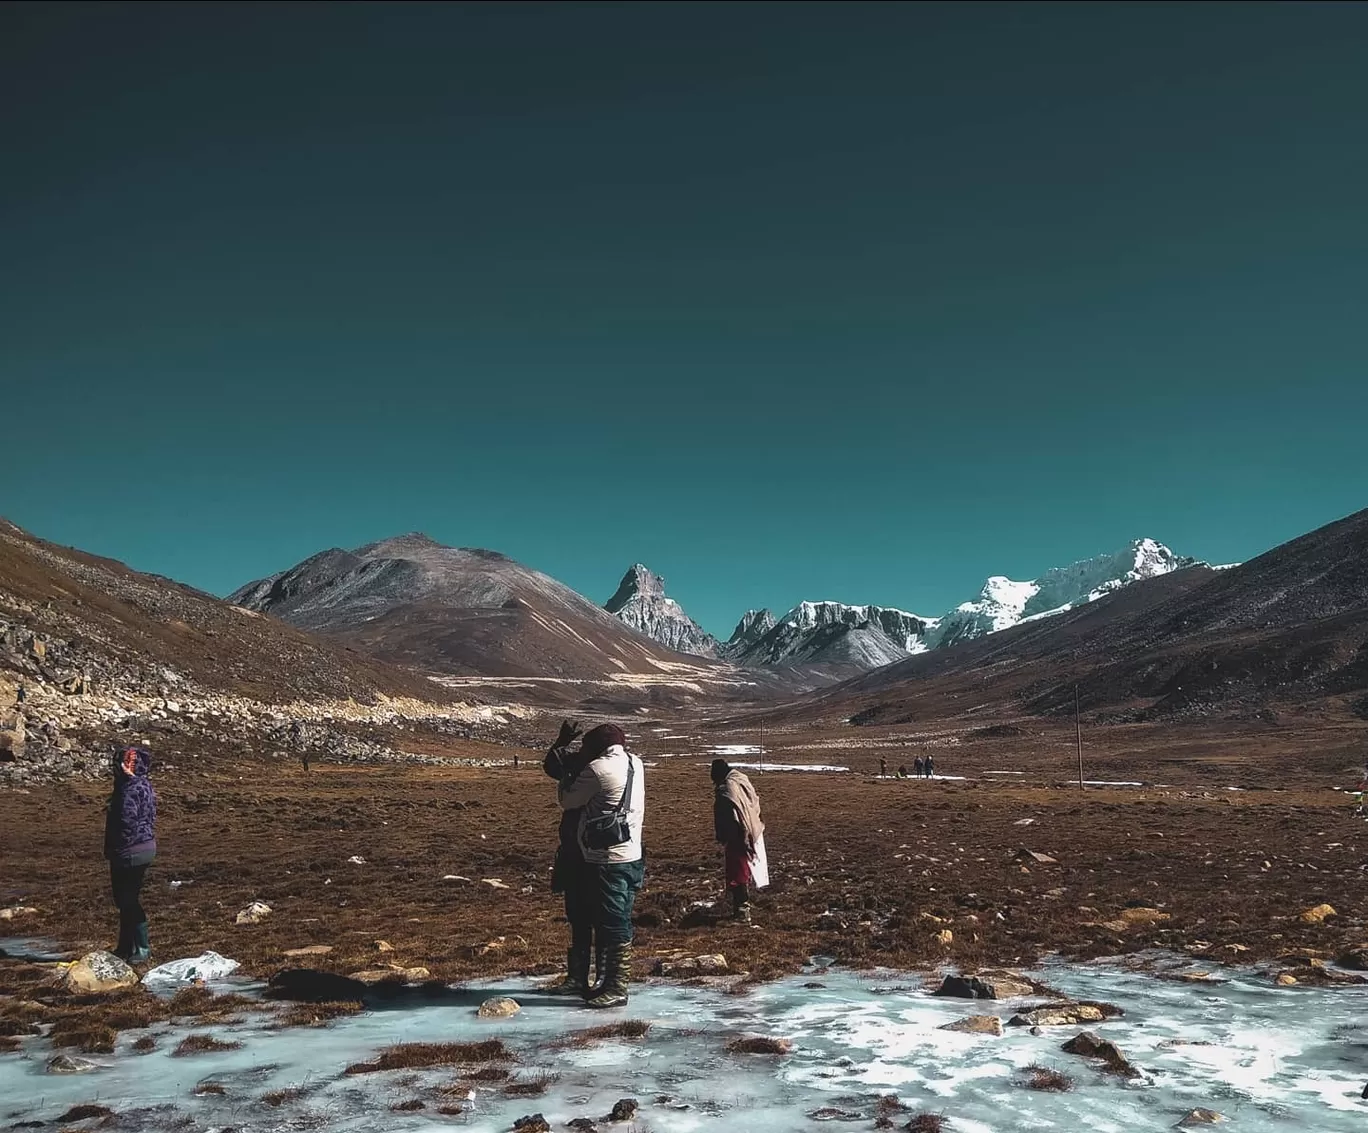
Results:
<point x="600" y="739"/>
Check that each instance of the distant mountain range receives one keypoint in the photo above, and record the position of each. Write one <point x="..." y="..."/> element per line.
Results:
<point x="868" y="637"/>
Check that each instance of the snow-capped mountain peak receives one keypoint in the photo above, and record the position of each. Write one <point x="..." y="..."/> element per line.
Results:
<point x="1004" y="602"/>
<point x="641" y="602"/>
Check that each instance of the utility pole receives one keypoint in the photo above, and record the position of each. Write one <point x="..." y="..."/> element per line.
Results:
<point x="1078" y="738"/>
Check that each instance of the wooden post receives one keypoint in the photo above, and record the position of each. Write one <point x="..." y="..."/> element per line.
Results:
<point x="1078" y="738"/>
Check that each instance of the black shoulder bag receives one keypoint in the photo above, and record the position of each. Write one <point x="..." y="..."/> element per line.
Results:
<point x="612" y="829"/>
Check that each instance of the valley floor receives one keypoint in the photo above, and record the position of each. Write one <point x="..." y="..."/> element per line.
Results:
<point x="869" y="871"/>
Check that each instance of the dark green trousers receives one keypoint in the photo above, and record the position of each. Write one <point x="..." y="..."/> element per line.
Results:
<point x="616" y="885"/>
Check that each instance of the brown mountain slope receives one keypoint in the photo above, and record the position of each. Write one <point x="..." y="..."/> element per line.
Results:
<point x="459" y="611"/>
<point x="96" y="618"/>
<point x="1288" y="630"/>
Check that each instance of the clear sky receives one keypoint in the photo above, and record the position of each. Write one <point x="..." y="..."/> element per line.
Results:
<point x="787" y="302"/>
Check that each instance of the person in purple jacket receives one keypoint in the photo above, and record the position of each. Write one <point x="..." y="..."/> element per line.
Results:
<point x="130" y="844"/>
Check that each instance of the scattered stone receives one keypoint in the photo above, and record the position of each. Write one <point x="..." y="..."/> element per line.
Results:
<point x="1089" y="1045"/>
<point x="533" y="1123"/>
<point x="945" y="938"/>
<point x="1287" y="979"/>
<point x="254" y="913"/>
<point x="395" y="972"/>
<point x="99" y="972"/>
<point x="831" y="1113"/>
<point x="1355" y="959"/>
<point x="356" y="859"/>
<point x="1317" y="914"/>
<point x="1036" y="858"/>
<point x="1200" y="1117"/>
<point x="760" y="1044"/>
<point x="17" y="911"/>
<point x="975" y="1025"/>
<point x="583" y="1124"/>
<point x="624" y="1109"/>
<point x="384" y="946"/>
<point x="1062" y="1015"/>
<point x="985" y="985"/>
<point x="1134" y="918"/>
<point x="66" y="1064"/>
<point x="495" y="883"/>
<point x="500" y="1007"/>
<point x="713" y="964"/>
<point x="309" y="950"/>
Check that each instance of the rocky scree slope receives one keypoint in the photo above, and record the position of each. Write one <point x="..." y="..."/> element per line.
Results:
<point x="641" y="602"/>
<point x="105" y="654"/>
<point x="458" y="611"/>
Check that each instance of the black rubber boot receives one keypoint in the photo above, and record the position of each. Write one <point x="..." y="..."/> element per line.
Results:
<point x="142" y="949"/>
<point x="613" y="991"/>
<point x="576" y="980"/>
<point x="741" y="909"/>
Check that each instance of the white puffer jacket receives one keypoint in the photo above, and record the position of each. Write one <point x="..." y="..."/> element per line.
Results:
<point x="598" y="789"/>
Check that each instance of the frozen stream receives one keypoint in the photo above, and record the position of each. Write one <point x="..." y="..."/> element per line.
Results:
<point x="1268" y="1058"/>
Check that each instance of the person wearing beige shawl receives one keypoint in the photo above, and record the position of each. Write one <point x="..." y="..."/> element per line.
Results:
<point x="737" y="826"/>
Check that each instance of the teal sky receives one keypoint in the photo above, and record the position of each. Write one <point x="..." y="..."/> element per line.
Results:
<point x="787" y="302"/>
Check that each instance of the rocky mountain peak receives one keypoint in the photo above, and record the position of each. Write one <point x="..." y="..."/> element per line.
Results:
<point x="640" y="601"/>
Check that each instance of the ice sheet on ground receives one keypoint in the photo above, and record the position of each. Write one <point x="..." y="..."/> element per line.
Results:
<point x="789" y="767"/>
<point x="724" y="750"/>
<point x="177" y="973"/>
<point x="1271" y="1059"/>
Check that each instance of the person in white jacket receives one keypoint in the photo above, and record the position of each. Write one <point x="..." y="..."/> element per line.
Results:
<point x="609" y="791"/>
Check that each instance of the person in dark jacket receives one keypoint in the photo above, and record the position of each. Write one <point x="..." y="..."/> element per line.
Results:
<point x="738" y="828"/>
<point x="568" y="871"/>
<point x="130" y="845"/>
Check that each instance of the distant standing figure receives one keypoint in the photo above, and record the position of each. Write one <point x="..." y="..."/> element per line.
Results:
<point x="130" y="845"/>
<point x="304" y="759"/>
<point x="883" y="768"/>
<point x="902" y="771"/>
<point x="930" y="766"/>
<point x="737" y="827"/>
<point x="21" y="695"/>
<point x="917" y="766"/>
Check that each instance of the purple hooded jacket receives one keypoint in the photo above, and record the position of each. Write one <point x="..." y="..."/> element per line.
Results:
<point x="131" y="821"/>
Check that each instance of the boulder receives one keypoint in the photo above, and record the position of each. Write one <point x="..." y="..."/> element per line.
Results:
<point x="396" y="973"/>
<point x="1061" y="1015"/>
<point x="1035" y="858"/>
<point x="66" y="1064"/>
<point x="309" y="950"/>
<point x="1136" y="918"/>
<point x="1088" y="1045"/>
<point x="975" y="1025"/>
<point x="254" y="913"/>
<point x="624" y="1109"/>
<point x="99" y="972"/>
<point x="1287" y="979"/>
<point x="945" y="938"/>
<point x="713" y="964"/>
<point x="1317" y="914"/>
<point x="17" y="911"/>
<point x="985" y="985"/>
<point x="533" y="1123"/>
<point x="500" y="1007"/>
<point x="1200" y="1117"/>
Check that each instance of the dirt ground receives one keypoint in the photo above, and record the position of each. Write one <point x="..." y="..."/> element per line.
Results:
<point x="869" y="871"/>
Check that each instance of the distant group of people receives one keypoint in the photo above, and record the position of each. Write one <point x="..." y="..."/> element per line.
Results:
<point x="600" y="864"/>
<point x="922" y="768"/>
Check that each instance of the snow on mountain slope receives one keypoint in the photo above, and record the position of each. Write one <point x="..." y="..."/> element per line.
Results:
<point x="820" y="632"/>
<point x="1003" y="602"/>
<point x="754" y="624"/>
<point x="642" y="603"/>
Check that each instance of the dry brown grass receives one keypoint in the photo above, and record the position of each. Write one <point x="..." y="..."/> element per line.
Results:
<point x="209" y="1089"/>
<point x="759" y="1044"/>
<point x="451" y="1110"/>
<point x="317" y="1014"/>
<point x="278" y="1098"/>
<point x="86" y="1112"/>
<point x="145" y="1045"/>
<point x="410" y="1106"/>
<point x="487" y="1074"/>
<point x="627" y="1030"/>
<point x="926" y="1123"/>
<point x="1036" y="1077"/>
<point x="203" y="1044"/>
<point x="532" y="1087"/>
<point x="417" y="1056"/>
